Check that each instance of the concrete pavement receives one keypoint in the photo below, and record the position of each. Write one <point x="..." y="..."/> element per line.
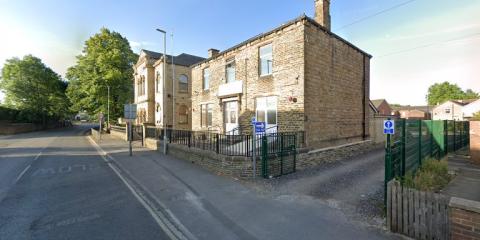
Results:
<point x="206" y="206"/>
<point x="56" y="186"/>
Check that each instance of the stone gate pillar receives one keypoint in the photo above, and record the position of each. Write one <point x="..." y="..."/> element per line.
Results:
<point x="475" y="141"/>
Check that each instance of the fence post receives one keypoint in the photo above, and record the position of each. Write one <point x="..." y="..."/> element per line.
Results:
<point x="431" y="138"/>
<point x="445" y="137"/>
<point x="420" y="142"/>
<point x="404" y="146"/>
<point x="217" y="146"/>
<point x="388" y="165"/>
<point x="281" y="154"/>
<point x="454" y="136"/>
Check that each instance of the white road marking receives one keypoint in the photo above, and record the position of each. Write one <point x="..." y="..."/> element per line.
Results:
<point x="162" y="221"/>
<point x="28" y="167"/>
<point x="23" y="172"/>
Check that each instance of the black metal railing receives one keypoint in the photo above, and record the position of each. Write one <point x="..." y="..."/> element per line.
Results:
<point x="225" y="144"/>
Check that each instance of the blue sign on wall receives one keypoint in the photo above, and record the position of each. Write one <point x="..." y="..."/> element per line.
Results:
<point x="389" y="127"/>
<point x="259" y="127"/>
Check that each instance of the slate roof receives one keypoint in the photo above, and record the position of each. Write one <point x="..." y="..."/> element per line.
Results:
<point x="182" y="59"/>
<point x="377" y="102"/>
<point x="409" y="108"/>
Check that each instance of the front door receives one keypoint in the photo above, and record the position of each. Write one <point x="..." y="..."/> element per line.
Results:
<point x="230" y="117"/>
<point x="266" y="111"/>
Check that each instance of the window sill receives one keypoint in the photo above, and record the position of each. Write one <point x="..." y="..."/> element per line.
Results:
<point x="266" y="77"/>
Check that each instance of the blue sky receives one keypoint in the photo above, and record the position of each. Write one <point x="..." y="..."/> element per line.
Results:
<point x="56" y="30"/>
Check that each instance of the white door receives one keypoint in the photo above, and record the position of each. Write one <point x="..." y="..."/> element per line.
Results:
<point x="230" y="117"/>
<point x="266" y="111"/>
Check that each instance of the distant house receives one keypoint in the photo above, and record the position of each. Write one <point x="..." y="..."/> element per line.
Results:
<point x="451" y="110"/>
<point x="373" y="109"/>
<point x="413" y="112"/>
<point x="382" y="106"/>
<point x="470" y="109"/>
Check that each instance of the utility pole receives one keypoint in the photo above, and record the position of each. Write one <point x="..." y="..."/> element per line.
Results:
<point x="173" y="87"/>
<point x="163" y="94"/>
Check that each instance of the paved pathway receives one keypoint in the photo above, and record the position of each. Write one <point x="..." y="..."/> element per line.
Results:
<point x="205" y="206"/>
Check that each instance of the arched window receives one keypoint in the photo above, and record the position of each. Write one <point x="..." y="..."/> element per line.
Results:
<point x="183" y="83"/>
<point x="159" y="81"/>
<point x="158" y="108"/>
<point x="183" y="114"/>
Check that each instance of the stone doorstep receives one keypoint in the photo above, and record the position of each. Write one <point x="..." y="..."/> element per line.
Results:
<point x="465" y="204"/>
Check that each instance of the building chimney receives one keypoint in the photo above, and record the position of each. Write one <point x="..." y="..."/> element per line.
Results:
<point x="322" y="13"/>
<point x="212" y="52"/>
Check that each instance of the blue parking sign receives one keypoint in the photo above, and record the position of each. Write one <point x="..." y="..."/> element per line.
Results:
<point x="259" y="127"/>
<point x="389" y="127"/>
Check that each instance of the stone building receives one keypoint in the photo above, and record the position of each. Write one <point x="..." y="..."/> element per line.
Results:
<point x="154" y="104"/>
<point x="297" y="77"/>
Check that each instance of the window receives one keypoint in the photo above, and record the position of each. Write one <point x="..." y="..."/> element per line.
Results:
<point x="183" y="114"/>
<point x="206" y="78"/>
<point x="447" y="110"/>
<point x="266" y="109"/>
<point x="206" y="115"/>
<point x="159" y="81"/>
<point x="183" y="83"/>
<point x="266" y="60"/>
<point x="230" y="71"/>
<point x="141" y="86"/>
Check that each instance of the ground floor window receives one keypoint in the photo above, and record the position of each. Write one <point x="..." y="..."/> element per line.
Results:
<point x="266" y="110"/>
<point x="206" y="111"/>
<point x="183" y="114"/>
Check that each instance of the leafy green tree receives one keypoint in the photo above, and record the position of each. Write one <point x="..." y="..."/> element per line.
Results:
<point x="442" y="92"/>
<point x="34" y="89"/>
<point x="476" y="117"/>
<point x="106" y="60"/>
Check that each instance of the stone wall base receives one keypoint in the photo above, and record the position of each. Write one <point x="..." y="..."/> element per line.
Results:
<point x="332" y="154"/>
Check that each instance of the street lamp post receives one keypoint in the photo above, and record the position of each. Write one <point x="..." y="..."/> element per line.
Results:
<point x="108" y="107"/>
<point x="163" y="92"/>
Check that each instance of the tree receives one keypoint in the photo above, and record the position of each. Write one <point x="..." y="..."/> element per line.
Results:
<point x="33" y="88"/>
<point x="442" y="92"/>
<point x="106" y="60"/>
<point x="476" y="117"/>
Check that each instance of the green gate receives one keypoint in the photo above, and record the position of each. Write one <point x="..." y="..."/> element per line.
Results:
<point x="279" y="154"/>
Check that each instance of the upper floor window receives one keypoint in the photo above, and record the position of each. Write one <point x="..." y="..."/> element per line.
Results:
<point x="447" y="110"/>
<point x="266" y="60"/>
<point x="230" y="71"/>
<point x="206" y="78"/>
<point x="141" y="86"/>
<point x="183" y="83"/>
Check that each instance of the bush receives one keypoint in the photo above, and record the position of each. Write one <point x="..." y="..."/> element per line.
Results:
<point x="432" y="176"/>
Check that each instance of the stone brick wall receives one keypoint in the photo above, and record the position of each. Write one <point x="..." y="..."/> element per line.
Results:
<point x="332" y="154"/>
<point x="286" y="80"/>
<point x="181" y="98"/>
<point x="464" y="219"/>
<point x="240" y="167"/>
<point x="337" y="80"/>
<point x="475" y="141"/>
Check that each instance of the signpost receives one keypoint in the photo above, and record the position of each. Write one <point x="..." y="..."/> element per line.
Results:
<point x="389" y="127"/>
<point x="130" y="114"/>
<point x="257" y="127"/>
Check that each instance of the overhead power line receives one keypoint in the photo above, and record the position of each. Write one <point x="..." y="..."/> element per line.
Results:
<point x="375" y="14"/>
<point x="429" y="45"/>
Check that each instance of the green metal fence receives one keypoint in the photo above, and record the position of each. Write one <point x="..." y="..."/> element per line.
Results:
<point x="416" y="140"/>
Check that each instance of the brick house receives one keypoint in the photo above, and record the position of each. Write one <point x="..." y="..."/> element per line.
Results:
<point x="153" y="106"/>
<point x="383" y="107"/>
<point x="413" y="112"/>
<point x="297" y="77"/>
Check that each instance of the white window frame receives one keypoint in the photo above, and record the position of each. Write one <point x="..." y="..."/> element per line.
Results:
<point x="230" y="65"/>
<point x="180" y="83"/>
<point x="262" y="56"/>
<point x="206" y="78"/>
